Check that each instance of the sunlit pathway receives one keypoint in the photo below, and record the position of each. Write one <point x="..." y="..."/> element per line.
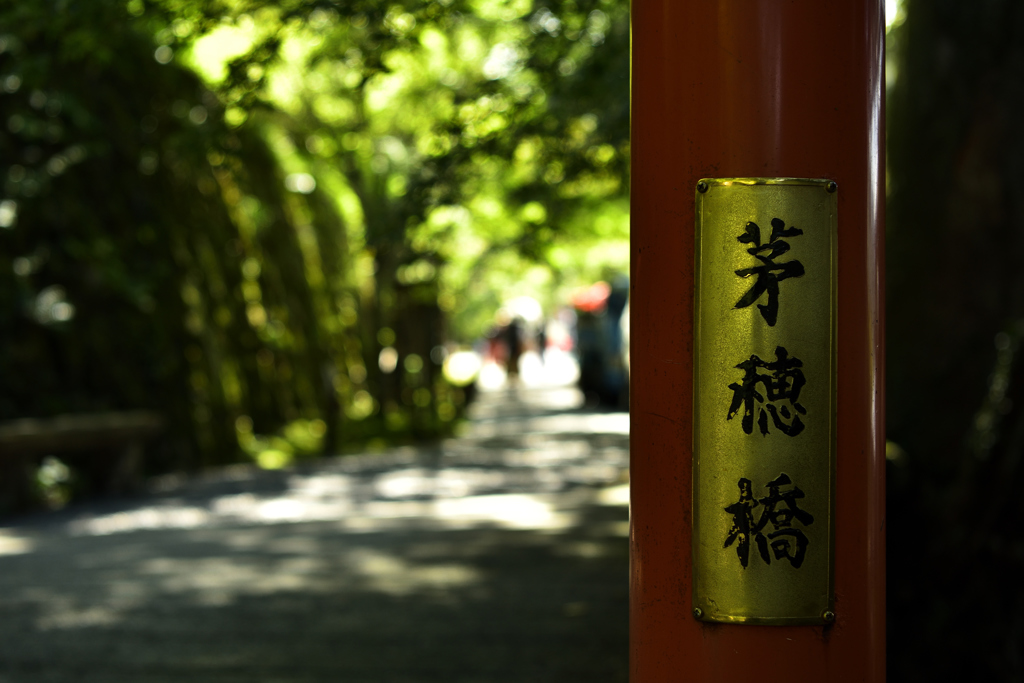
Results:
<point x="497" y="556"/>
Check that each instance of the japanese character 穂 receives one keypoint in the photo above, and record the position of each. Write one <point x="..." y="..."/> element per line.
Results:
<point x="782" y="381"/>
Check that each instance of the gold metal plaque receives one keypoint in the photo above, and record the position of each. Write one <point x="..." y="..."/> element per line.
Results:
<point x="764" y="400"/>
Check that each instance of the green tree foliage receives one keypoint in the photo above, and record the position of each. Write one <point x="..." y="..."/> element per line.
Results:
<point x="955" y="326"/>
<point x="226" y="211"/>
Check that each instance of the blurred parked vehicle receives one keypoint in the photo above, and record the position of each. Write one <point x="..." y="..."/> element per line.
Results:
<point x="600" y="343"/>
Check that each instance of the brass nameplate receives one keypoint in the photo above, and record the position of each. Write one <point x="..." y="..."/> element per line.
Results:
<point x="764" y="400"/>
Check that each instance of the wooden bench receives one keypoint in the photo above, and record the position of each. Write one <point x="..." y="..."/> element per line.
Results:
<point x="119" y="436"/>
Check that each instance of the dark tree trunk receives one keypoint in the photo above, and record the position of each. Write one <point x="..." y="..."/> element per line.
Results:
<point x="955" y="324"/>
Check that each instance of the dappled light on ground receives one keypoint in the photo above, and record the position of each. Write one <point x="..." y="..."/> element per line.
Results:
<point x="558" y="368"/>
<point x="12" y="544"/>
<point x="497" y="556"/>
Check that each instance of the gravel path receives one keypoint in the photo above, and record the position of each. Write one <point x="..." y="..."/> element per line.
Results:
<point x="500" y="556"/>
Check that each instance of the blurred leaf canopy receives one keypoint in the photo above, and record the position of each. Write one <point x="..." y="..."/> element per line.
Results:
<point x="226" y="210"/>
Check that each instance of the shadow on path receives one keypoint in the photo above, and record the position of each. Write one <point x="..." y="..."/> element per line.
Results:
<point x="499" y="556"/>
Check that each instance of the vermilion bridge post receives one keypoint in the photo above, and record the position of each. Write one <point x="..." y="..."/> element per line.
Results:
<point x="754" y="89"/>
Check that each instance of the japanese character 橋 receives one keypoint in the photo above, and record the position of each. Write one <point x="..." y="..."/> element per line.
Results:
<point x="769" y="273"/>
<point x="781" y="381"/>
<point x="780" y="509"/>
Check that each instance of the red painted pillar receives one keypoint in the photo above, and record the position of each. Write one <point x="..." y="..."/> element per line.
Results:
<point x="752" y="88"/>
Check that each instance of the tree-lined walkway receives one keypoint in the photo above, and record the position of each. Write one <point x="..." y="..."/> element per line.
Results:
<point x="498" y="556"/>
